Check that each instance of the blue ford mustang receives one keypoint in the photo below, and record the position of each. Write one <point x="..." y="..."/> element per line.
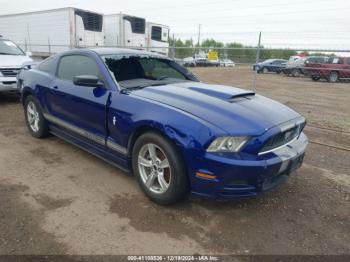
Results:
<point x="144" y="113"/>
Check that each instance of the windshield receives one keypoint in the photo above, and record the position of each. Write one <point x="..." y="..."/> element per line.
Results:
<point x="9" y="48"/>
<point x="138" y="71"/>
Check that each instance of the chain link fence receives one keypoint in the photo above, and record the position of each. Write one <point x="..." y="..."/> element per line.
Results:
<point x="310" y="56"/>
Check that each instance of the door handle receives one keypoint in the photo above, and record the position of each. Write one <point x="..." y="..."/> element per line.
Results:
<point x="55" y="87"/>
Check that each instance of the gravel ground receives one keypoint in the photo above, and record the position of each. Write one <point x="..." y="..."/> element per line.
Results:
<point x="58" y="199"/>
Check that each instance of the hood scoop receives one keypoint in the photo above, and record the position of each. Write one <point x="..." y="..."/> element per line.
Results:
<point x="223" y="93"/>
<point x="242" y="95"/>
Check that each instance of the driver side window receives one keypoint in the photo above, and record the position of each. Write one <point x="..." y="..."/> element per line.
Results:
<point x="77" y="65"/>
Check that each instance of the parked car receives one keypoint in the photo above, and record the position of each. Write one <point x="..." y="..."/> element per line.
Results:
<point x="189" y="62"/>
<point x="145" y="113"/>
<point x="270" y="65"/>
<point x="227" y="63"/>
<point x="336" y="68"/>
<point x="203" y="62"/>
<point x="295" y="66"/>
<point x="12" y="58"/>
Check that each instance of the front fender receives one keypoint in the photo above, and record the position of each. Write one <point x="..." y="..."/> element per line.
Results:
<point x="136" y="113"/>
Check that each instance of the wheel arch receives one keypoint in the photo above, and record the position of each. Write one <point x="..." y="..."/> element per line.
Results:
<point x="24" y="94"/>
<point x="140" y="130"/>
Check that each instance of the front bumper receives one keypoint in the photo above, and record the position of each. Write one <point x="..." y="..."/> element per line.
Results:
<point x="244" y="175"/>
<point x="8" y="84"/>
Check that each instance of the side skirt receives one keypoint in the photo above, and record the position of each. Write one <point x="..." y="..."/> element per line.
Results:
<point x="102" y="154"/>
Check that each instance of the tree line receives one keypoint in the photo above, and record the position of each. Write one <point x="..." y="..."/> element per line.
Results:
<point x="240" y="54"/>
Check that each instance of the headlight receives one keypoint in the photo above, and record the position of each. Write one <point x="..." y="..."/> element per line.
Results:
<point x="228" y="144"/>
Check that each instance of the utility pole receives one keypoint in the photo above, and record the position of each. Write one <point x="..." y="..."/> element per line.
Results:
<point x="174" y="46"/>
<point x="256" y="62"/>
<point x="199" y="35"/>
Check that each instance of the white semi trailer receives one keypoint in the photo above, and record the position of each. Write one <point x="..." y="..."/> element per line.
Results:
<point x="122" y="30"/>
<point x="52" y="31"/>
<point x="157" y="38"/>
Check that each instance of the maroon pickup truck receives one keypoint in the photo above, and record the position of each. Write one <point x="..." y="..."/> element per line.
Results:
<point x="336" y="68"/>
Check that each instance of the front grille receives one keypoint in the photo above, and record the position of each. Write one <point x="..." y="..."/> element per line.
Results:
<point x="9" y="72"/>
<point x="281" y="139"/>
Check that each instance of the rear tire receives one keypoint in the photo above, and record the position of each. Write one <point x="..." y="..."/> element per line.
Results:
<point x="36" y="123"/>
<point x="333" y="77"/>
<point x="159" y="169"/>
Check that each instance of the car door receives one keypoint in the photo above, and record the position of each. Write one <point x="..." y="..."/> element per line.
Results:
<point x="80" y="110"/>
<point x="272" y="66"/>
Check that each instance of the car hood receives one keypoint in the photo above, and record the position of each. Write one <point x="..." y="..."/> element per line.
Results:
<point x="222" y="106"/>
<point x="13" y="60"/>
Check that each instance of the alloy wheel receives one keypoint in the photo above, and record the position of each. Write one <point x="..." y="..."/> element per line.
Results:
<point x="33" y="116"/>
<point x="154" y="168"/>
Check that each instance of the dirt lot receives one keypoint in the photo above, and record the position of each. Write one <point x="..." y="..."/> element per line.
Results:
<point x="58" y="199"/>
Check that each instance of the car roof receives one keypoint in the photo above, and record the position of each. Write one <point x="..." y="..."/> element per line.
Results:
<point x="102" y="51"/>
<point x="125" y="51"/>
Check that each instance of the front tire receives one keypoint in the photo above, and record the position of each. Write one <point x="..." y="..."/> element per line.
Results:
<point x="34" y="118"/>
<point x="295" y="72"/>
<point x="159" y="169"/>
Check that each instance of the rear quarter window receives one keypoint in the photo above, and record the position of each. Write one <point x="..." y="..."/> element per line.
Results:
<point x="48" y="65"/>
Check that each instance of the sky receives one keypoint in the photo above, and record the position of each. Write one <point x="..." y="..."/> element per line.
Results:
<point x="313" y="24"/>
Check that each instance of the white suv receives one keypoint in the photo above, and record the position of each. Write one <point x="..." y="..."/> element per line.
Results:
<point x="12" y="58"/>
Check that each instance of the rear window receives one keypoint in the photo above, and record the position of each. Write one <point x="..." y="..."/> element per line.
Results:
<point x="335" y="60"/>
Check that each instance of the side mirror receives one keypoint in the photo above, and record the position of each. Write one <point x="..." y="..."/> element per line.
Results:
<point x="29" y="54"/>
<point x="88" y="80"/>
